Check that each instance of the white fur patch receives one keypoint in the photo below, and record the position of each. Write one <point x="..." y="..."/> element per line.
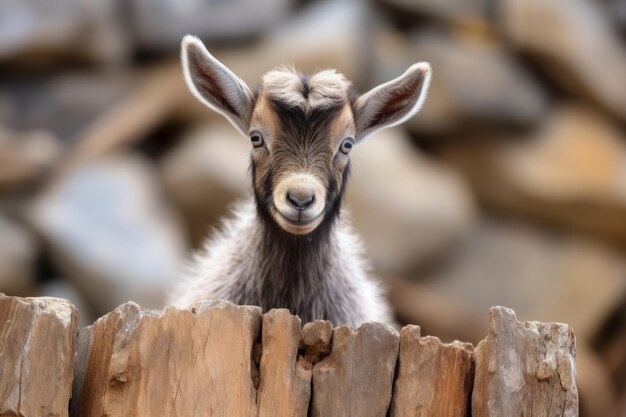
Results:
<point x="324" y="88"/>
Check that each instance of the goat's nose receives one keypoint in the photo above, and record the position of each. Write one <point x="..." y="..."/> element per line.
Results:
<point x="301" y="200"/>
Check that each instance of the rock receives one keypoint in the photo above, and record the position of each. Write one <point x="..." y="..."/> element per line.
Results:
<point x="25" y="157"/>
<point x="18" y="257"/>
<point x="62" y="28"/>
<point x="205" y="173"/>
<point x="65" y="103"/>
<point x="110" y="231"/>
<point x="525" y="367"/>
<point x="356" y="378"/>
<point x="38" y="338"/>
<point x="162" y="24"/>
<point x="285" y="386"/>
<point x="491" y="89"/>
<point x="569" y="172"/>
<point x="169" y="363"/>
<point x="433" y="378"/>
<point x="327" y="34"/>
<point x="541" y="274"/>
<point x="316" y="340"/>
<point x="61" y="288"/>
<point x="573" y="40"/>
<point x="409" y="209"/>
<point x="450" y="10"/>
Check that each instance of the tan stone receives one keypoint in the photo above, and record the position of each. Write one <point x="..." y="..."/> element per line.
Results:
<point x="285" y="386"/>
<point x="37" y="346"/>
<point x="525" y="368"/>
<point x="569" y="171"/>
<point x="177" y="362"/>
<point x="574" y="42"/>
<point x="434" y="379"/>
<point x="356" y="378"/>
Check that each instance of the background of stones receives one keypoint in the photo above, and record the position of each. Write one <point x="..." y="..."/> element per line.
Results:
<point x="110" y="172"/>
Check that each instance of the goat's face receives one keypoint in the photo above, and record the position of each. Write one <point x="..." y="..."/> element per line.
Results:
<point x="302" y="129"/>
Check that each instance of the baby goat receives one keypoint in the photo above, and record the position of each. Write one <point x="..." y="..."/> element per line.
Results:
<point x="289" y="246"/>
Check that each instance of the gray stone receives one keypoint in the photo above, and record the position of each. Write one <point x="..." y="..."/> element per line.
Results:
<point x="540" y="274"/>
<point x="111" y="232"/>
<point x="162" y="24"/>
<point x="452" y="10"/>
<point x="474" y="81"/>
<point x="63" y="28"/>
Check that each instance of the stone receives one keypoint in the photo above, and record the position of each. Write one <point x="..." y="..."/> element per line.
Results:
<point x="492" y="89"/>
<point x="161" y="25"/>
<point x="38" y="339"/>
<point x="64" y="103"/>
<point x="525" y="368"/>
<point x="205" y="173"/>
<point x="569" y="171"/>
<point x="285" y="378"/>
<point x="169" y="363"/>
<point x="62" y="29"/>
<point x="356" y="378"/>
<point x="316" y="340"/>
<point x="25" y="157"/>
<point x="433" y="378"/>
<point x="110" y="230"/>
<point x="541" y="274"/>
<point x="18" y="258"/>
<point x="574" y="42"/>
<point x="450" y="10"/>
<point x="408" y="208"/>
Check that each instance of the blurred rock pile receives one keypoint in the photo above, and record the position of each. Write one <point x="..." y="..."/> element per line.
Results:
<point x="508" y="188"/>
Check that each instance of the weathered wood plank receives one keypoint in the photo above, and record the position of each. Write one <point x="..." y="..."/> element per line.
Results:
<point x="197" y="361"/>
<point x="355" y="379"/>
<point x="525" y="369"/>
<point x="37" y="347"/>
<point x="434" y="379"/>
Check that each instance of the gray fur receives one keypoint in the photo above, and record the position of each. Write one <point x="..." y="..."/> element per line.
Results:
<point x="338" y="288"/>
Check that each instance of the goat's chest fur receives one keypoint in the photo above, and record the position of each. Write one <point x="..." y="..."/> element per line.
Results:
<point x="246" y="263"/>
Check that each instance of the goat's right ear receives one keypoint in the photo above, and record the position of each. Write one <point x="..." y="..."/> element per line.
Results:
<point x="215" y="85"/>
<point x="393" y="102"/>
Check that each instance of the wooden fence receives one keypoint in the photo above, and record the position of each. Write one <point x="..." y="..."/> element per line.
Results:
<point x="218" y="359"/>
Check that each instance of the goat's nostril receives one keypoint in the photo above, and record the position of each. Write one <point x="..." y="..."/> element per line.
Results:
<point x="301" y="201"/>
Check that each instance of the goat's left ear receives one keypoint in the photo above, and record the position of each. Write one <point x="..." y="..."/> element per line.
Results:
<point x="215" y="85"/>
<point x="393" y="102"/>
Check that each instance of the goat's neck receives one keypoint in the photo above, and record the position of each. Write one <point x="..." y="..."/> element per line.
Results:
<point x="294" y="268"/>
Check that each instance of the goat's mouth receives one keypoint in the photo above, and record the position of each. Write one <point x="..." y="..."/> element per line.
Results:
<point x="297" y="226"/>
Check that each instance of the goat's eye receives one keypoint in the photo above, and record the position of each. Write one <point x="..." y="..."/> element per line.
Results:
<point x="346" y="145"/>
<point x="256" y="139"/>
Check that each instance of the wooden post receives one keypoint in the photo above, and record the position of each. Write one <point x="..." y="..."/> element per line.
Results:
<point x="525" y="369"/>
